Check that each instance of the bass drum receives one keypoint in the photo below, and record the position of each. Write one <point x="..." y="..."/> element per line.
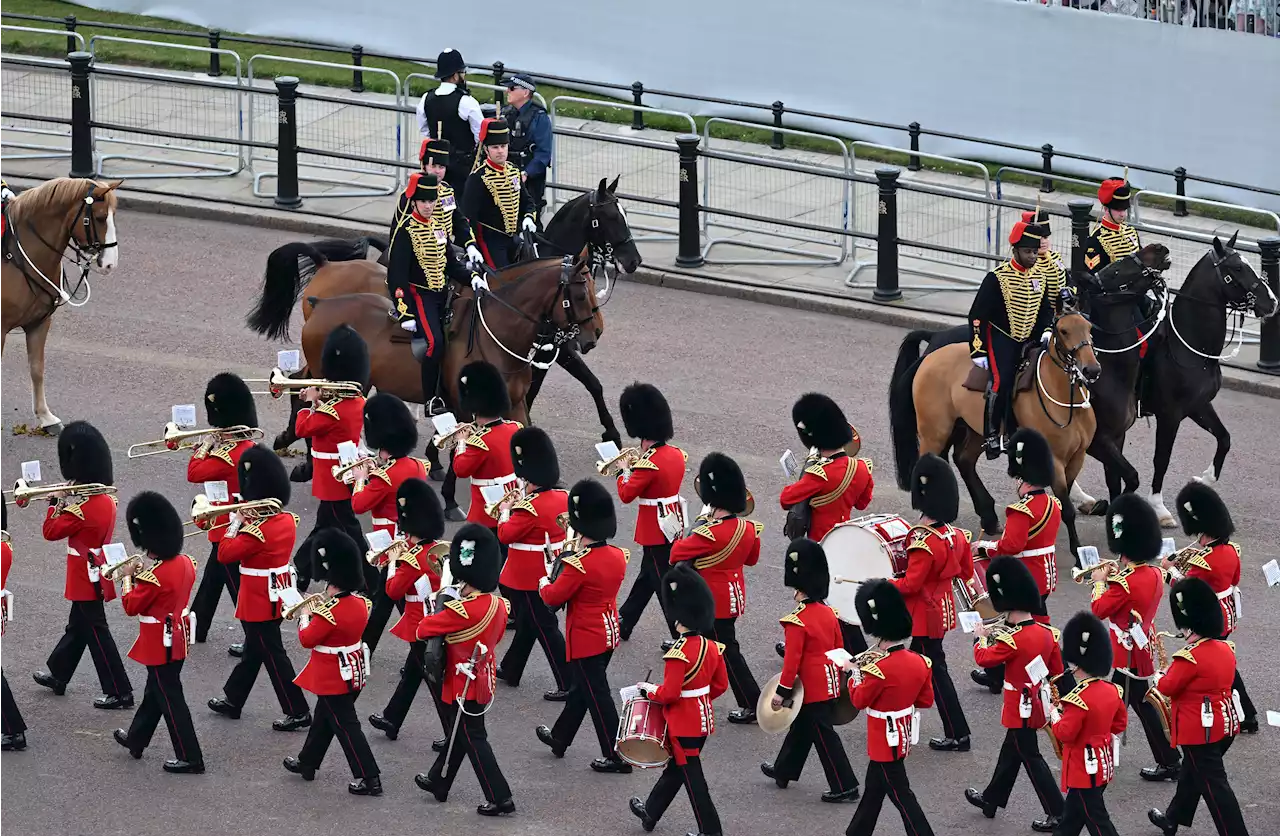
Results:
<point x="858" y="550"/>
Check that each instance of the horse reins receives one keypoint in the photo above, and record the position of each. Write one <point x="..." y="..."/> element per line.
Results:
<point x="1237" y="306"/>
<point x="559" y="337"/>
<point x="1071" y="367"/>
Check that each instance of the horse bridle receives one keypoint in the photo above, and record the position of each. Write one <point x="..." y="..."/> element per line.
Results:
<point x="1240" y="307"/>
<point x="549" y="336"/>
<point x="85" y="254"/>
<point x="600" y="252"/>
<point x="1065" y="359"/>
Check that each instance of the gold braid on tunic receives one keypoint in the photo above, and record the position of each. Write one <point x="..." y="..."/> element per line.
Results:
<point x="1022" y="297"/>
<point x="505" y="190"/>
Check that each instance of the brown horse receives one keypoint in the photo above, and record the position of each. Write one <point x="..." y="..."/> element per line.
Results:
<point x="932" y="410"/>
<point x="39" y="226"/>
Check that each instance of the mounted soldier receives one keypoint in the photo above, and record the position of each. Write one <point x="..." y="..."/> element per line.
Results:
<point x="451" y="113"/>
<point x="495" y="201"/>
<point x="435" y="155"/>
<point x="531" y="138"/>
<point x="1049" y="263"/>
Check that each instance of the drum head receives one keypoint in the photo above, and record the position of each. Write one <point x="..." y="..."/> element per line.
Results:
<point x="644" y="753"/>
<point x="854" y="554"/>
<point x="776" y="722"/>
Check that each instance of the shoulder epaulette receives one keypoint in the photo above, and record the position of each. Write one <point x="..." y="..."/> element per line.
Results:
<point x="368" y="603"/>
<point x="676" y="651"/>
<point x="296" y="518"/>
<point x="576" y="562"/>
<point x="759" y="527"/>
<point x="867" y="462"/>
<point x="683" y="454"/>
<point x="224" y="452"/>
<point x="328" y="408"/>
<point x="458" y="607"/>
<point x="477" y="440"/>
<point x="1057" y="634"/>
<point x="1185" y="653"/>
<point x="325" y="611"/>
<point x="1075" y="698"/>
<point x="720" y="646"/>
<point x="146" y="576"/>
<point x="526" y="505"/>
<point x="928" y="663"/>
<point x="1235" y="546"/>
<point x="873" y="669"/>
<point x="1008" y="639"/>
<point x="75" y="509"/>
<point x="381" y="473"/>
<point x="1020" y="507"/>
<point x="919" y="537"/>
<point x="645" y="462"/>
<point x="704" y="530"/>
<point x="818" y="470"/>
<point x="195" y="564"/>
<point x="626" y="555"/>
<point x="254" y="529"/>
<point x="968" y="535"/>
<point x="1119" y="689"/>
<point x="519" y="426"/>
<point x="411" y="557"/>
<point x="793" y="617"/>
<point x="1122" y="578"/>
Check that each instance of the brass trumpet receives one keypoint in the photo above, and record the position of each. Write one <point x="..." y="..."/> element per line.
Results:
<point x="1081" y="575"/>
<point x="381" y="557"/>
<point x="341" y="472"/>
<point x="626" y="457"/>
<point x="572" y="539"/>
<point x="175" y="438"/>
<point x="751" y="500"/>
<point x="307" y="604"/>
<point x="23" y="493"/>
<point x="1181" y="559"/>
<point x="125" y="571"/>
<point x="279" y="384"/>
<point x="513" y="495"/>
<point x="204" y="512"/>
<point x="445" y="439"/>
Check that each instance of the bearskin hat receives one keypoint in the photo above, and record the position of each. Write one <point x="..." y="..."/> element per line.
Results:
<point x="645" y="413"/>
<point x="934" y="491"/>
<point x="482" y="390"/>
<point x="688" y="599"/>
<point x="1133" y="530"/>
<point x="261" y="475"/>
<point x="154" y="525"/>
<point x="475" y="557"/>
<point x="1202" y="511"/>
<point x="1011" y="586"/>
<point x="1087" y="644"/>
<point x="591" y="510"/>
<point x="882" y="611"/>
<point x="820" y="422"/>
<point x="721" y="484"/>
<point x="228" y="402"/>
<point x="419" y="511"/>
<point x="1031" y="458"/>
<point x="533" y="457"/>
<point x="345" y="357"/>
<point x="336" y="559"/>
<point x="1196" y="608"/>
<point x="83" y="454"/>
<point x="389" y="425"/>
<point x="805" y="568"/>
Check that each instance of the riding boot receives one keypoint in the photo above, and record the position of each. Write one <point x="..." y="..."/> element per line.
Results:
<point x="1144" y="388"/>
<point x="992" y="441"/>
<point x="430" y="368"/>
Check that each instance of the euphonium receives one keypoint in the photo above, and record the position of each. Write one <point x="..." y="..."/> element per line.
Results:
<point x="1081" y="575"/>
<point x="174" y="436"/>
<point x="515" y="494"/>
<point x="626" y="457"/>
<point x="204" y="512"/>
<point x="307" y="604"/>
<point x="23" y="493"/>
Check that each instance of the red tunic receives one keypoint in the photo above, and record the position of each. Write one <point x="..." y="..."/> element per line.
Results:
<point x="810" y="631"/>
<point x="719" y="549"/>
<point x="486" y="460"/>
<point x="480" y="617"/>
<point x="1218" y="564"/>
<point x="655" y="480"/>
<point x="6" y="563"/>
<point x="1092" y="715"/>
<point x="692" y="677"/>
<point x="1030" y="531"/>
<point x="892" y="692"/>
<point x="263" y="549"/>
<point x="1198" y="685"/>
<point x="832" y="489"/>
<point x="525" y="532"/>
<point x="935" y="556"/>
<point x="413" y="577"/>
<point x="378" y="496"/>
<point x="331" y="632"/>
<point x="589" y="583"/>
<point x="86" y="526"/>
<point x="1028" y="640"/>
<point x="328" y="425"/>
<point x="1131" y="598"/>
<point x="159" y="598"/>
<point x="218" y="465"/>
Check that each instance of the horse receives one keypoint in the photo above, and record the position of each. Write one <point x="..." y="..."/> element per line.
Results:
<point x="39" y="225"/>
<point x="932" y="409"/>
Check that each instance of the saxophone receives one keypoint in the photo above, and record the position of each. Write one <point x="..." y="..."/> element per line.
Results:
<point x="1161" y="703"/>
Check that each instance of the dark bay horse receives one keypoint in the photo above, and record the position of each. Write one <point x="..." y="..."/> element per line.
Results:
<point x="39" y="226"/>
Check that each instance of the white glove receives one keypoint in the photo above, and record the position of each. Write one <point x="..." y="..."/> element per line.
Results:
<point x="478" y="283"/>
<point x="544" y="581"/>
<point x="980" y="362"/>
<point x="475" y="260"/>
<point x="528" y="225"/>
<point x="6" y="193"/>
<point x="410" y="325"/>
<point x="1044" y="338"/>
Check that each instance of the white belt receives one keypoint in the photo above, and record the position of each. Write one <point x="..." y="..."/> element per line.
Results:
<point x="666" y="500"/>
<point x="316" y="454"/>
<point x="1036" y="552"/>
<point x="351" y="648"/>
<point x="530" y="547"/>
<point x="1122" y="635"/>
<point x="696" y="692"/>
<point x="1226" y="593"/>
<point x="415" y="599"/>
<point x="890" y="715"/>
<point x="259" y="573"/>
<point x="148" y="619"/>
<point x="383" y="521"/>
<point x="501" y="480"/>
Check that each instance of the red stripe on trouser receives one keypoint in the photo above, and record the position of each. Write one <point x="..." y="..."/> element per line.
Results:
<point x="991" y="361"/>
<point x="178" y="748"/>
<point x="1142" y="349"/>
<point x="422" y="321"/>
<point x="484" y="249"/>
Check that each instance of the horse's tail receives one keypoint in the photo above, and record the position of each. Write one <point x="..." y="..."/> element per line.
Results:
<point x="902" y="407"/>
<point x="282" y="284"/>
<point x="349" y="249"/>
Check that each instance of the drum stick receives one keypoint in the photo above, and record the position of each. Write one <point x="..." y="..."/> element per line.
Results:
<point x="839" y="579"/>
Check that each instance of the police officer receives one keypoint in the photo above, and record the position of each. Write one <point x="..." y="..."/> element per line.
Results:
<point x="450" y="112"/>
<point x="531" y="138"/>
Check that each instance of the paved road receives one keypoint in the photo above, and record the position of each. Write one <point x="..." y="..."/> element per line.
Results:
<point x="171" y="318"/>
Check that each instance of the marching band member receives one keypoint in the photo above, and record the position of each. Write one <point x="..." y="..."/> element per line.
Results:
<point x="720" y="545"/>
<point x="1216" y="561"/>
<point x="411" y="577"/>
<point x="588" y="583"/>
<point x="937" y="553"/>
<point x="13" y="726"/>
<point x="526" y="527"/>
<point x="1049" y="264"/>
<point x="328" y="422"/>
<point x="693" y="677"/>
<point x="227" y="403"/>
<point x="495" y="200"/>
<point x="260" y="548"/>
<point x="472" y="626"/>
<point x="654" y="480"/>
<point x="1020" y="641"/>
<point x="339" y="665"/>
<point x="892" y="686"/>
<point x="158" y="596"/>
<point x="389" y="429"/>
<point x="1204" y="716"/>
<point x="484" y="456"/>
<point x="1088" y="724"/>
<point x="812" y="631"/>
<point x="1030" y="529"/>
<point x="83" y="457"/>
<point x="1128" y="600"/>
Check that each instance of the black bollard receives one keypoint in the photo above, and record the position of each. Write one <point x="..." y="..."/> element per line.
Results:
<point x="778" y="142"/>
<point x="81" y="115"/>
<point x="1081" y="216"/>
<point x="637" y="99"/>
<point x="1046" y="154"/>
<point x="1269" y="338"/>
<point x="689" y="251"/>
<point x="887" y="289"/>
<point x="913" y="130"/>
<point x="1180" y="179"/>
<point x="357" y="75"/>
<point x="215" y="59"/>
<point x="72" y="43"/>
<point x="499" y="70"/>
<point x="287" y="144"/>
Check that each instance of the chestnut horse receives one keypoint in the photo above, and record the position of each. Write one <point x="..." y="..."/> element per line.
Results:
<point x="39" y="225"/>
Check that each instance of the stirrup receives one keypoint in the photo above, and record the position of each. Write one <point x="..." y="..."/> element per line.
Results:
<point x="434" y="406"/>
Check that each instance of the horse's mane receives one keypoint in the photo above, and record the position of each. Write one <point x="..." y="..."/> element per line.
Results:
<point x="57" y="194"/>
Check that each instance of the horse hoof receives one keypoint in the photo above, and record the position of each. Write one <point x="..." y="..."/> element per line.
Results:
<point x="1168" y="522"/>
<point x="1097" y="509"/>
<point x="454" y="514"/>
<point x="613" y="436"/>
<point x="52" y="429"/>
<point x="436" y="475"/>
<point x="300" y="473"/>
<point x="1207" y="477"/>
<point x="281" y="442"/>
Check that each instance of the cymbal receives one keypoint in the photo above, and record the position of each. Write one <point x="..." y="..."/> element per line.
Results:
<point x="776" y="722"/>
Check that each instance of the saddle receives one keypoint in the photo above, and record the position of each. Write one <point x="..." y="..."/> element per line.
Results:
<point x="1023" y="380"/>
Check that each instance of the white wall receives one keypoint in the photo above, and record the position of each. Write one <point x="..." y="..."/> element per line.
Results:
<point x="1207" y="100"/>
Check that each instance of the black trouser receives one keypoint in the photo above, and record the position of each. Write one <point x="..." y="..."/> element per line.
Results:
<point x="163" y="697"/>
<point x="263" y="646"/>
<point x="472" y="742"/>
<point x="1135" y="692"/>
<point x="534" y="622"/>
<point x="1204" y="776"/>
<point x="954" y="724"/>
<point x="427" y="307"/>
<point x="1085" y="808"/>
<point x="654" y="563"/>
<point x="336" y="716"/>
<point x="536" y="186"/>
<point x="11" y="721"/>
<point x="1247" y="708"/>
<point x="589" y="693"/>
<point x="383" y="606"/>
<point x="695" y="784"/>
<point x="745" y="689"/>
<point x="407" y="688"/>
<point x="812" y="729"/>
<point x="329" y="514"/>
<point x="888" y="778"/>
<point x="1021" y="749"/>
<point x="1002" y="360"/>
<point x="995" y="674"/>
<point x="87" y="627"/>
<point x="216" y="576"/>
<point x="499" y="250"/>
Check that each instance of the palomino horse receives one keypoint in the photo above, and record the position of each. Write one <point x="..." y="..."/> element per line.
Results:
<point x="931" y="410"/>
<point x="39" y="225"/>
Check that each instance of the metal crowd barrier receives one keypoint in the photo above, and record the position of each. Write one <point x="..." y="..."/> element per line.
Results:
<point x="34" y="95"/>
<point x="1061" y="238"/>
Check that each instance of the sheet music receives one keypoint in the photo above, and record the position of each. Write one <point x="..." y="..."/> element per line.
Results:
<point x="1271" y="571"/>
<point x="607" y="450"/>
<point x="347" y="452"/>
<point x="492" y="493"/>
<point x="184" y="415"/>
<point x="1037" y="670"/>
<point x="378" y="540"/>
<point x="969" y="620"/>
<point x="1088" y="557"/>
<point x="115" y="554"/>
<point x="288" y="361"/>
<point x="217" y="491"/>
<point x="1167" y="547"/>
<point x="31" y="471"/>
<point x="790" y="466"/>
<point x="445" y="423"/>
<point x="290" y="596"/>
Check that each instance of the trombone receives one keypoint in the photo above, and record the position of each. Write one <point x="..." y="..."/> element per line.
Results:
<point x="279" y="384"/>
<point x="1080" y="575"/>
<point x="626" y="457"/>
<point x="175" y="438"/>
<point x="23" y="493"/>
<point x="204" y="512"/>
<point x="306" y="605"/>
<point x="445" y="439"/>
<point x="515" y="494"/>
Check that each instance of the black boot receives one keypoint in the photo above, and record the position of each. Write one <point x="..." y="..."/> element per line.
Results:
<point x="366" y="786"/>
<point x="992" y="442"/>
<point x="430" y="369"/>
<point x="1160" y="820"/>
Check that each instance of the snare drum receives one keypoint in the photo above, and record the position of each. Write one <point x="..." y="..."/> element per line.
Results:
<point x="874" y="546"/>
<point x="642" y="734"/>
